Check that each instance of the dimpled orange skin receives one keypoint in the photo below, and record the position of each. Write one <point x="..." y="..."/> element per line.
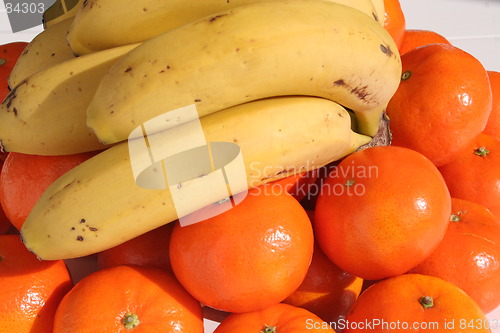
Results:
<point x="249" y="257"/>
<point x="443" y="101"/>
<point x="394" y="20"/>
<point x="396" y="302"/>
<point x="101" y="300"/>
<point x="476" y="177"/>
<point x="469" y="255"/>
<point x="414" y="38"/>
<point x="493" y="125"/>
<point x="382" y="212"/>
<point x="30" y="289"/>
<point x="148" y="249"/>
<point x="25" y="177"/>
<point x="326" y="291"/>
<point x="279" y="318"/>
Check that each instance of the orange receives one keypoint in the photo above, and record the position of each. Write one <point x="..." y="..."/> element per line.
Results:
<point x="298" y="185"/>
<point x="474" y="173"/>
<point x="25" y="177"/>
<point x="381" y="212"/>
<point x="394" y="20"/>
<point x="414" y="38"/>
<point x="128" y="299"/>
<point x="415" y="303"/>
<point x="327" y="291"/>
<point x="442" y="103"/>
<point x="493" y="125"/>
<point x="149" y="249"/>
<point x="279" y="318"/>
<point x="247" y="258"/>
<point x="469" y="255"/>
<point x="4" y="222"/>
<point x="30" y="289"/>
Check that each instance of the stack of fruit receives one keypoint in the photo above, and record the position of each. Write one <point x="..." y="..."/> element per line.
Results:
<point x="329" y="228"/>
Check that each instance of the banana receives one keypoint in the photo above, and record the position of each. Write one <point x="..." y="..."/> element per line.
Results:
<point x="273" y="48"/>
<point x="97" y="205"/>
<point x="379" y="6"/>
<point x="102" y="24"/>
<point x="60" y="11"/>
<point x="47" y="49"/>
<point x="45" y="114"/>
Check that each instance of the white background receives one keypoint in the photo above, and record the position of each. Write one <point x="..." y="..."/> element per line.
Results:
<point x="472" y="25"/>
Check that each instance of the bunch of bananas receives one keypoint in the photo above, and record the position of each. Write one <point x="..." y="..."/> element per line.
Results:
<point x="295" y="84"/>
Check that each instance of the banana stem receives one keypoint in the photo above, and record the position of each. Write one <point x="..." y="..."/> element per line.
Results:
<point x="369" y="121"/>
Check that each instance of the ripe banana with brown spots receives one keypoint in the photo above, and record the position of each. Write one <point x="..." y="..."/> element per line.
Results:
<point x="47" y="49"/>
<point x="102" y="24"/>
<point x="273" y="48"/>
<point x="98" y="205"/>
<point x="45" y="114"/>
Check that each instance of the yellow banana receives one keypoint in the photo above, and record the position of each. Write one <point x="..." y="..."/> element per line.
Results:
<point x="60" y="11"/>
<point x="47" y="49"/>
<point x="102" y="24"/>
<point x="379" y="10"/>
<point x="97" y="205"/>
<point x="251" y="52"/>
<point x="45" y="114"/>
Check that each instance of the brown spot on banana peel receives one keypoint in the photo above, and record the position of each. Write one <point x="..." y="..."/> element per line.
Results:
<point x="12" y="95"/>
<point x="216" y="17"/>
<point x="386" y="49"/>
<point x="361" y="92"/>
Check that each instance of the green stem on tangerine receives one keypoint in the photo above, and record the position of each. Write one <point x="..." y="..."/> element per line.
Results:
<point x="130" y="321"/>
<point x="268" y="329"/>
<point x="2" y="61"/>
<point x="481" y="151"/>
<point x="455" y="218"/>
<point x="350" y="182"/>
<point x="426" y="301"/>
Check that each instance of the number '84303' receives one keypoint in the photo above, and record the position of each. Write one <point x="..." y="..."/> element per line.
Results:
<point x="25" y="8"/>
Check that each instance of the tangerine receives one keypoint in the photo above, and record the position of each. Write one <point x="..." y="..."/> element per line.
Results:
<point x="327" y="291"/>
<point x="30" y="289"/>
<point x="415" y="303"/>
<point x="493" y="125"/>
<point x="469" y="254"/>
<point x="414" y="38"/>
<point x="25" y="177"/>
<point x="394" y="20"/>
<point x="247" y="258"/>
<point x="474" y="173"/>
<point x="443" y="101"/>
<point x="128" y="298"/>
<point x="149" y="249"/>
<point x="278" y="318"/>
<point x="381" y="212"/>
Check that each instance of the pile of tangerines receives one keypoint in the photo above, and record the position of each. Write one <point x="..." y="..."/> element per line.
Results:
<point x="393" y="238"/>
